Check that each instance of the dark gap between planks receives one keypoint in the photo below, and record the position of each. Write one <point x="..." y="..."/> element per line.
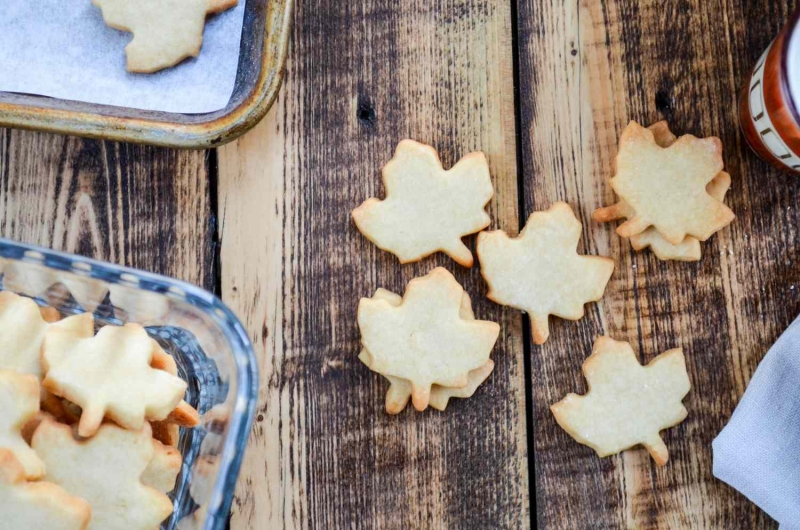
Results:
<point x="526" y="330"/>
<point x="212" y="169"/>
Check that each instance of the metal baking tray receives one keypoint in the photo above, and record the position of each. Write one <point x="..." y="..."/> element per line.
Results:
<point x="261" y="62"/>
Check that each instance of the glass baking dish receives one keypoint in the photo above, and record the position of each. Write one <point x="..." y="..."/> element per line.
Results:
<point x="209" y="344"/>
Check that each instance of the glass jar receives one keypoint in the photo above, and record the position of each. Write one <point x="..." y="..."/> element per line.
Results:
<point x="768" y="104"/>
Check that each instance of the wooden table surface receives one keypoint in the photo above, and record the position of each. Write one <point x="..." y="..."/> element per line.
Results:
<point x="544" y="90"/>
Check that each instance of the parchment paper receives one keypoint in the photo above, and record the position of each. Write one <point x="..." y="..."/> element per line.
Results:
<point x="63" y="49"/>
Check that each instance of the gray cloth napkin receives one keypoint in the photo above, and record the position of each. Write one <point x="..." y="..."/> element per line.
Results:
<point x="758" y="452"/>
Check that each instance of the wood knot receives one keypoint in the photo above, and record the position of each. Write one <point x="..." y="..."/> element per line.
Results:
<point x="664" y="102"/>
<point x="365" y="111"/>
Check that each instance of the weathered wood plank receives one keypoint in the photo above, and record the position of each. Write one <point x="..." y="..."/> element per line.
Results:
<point x="323" y="454"/>
<point x="586" y="69"/>
<point x="139" y="206"/>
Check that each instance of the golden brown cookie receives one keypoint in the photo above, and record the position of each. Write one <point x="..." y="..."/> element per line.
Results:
<point x="166" y="431"/>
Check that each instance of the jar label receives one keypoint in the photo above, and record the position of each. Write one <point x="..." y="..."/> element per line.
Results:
<point x="762" y="121"/>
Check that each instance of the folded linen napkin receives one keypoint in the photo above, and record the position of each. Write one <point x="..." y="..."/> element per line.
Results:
<point x="758" y="452"/>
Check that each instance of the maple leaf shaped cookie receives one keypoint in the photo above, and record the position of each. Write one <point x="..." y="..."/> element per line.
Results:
<point x="689" y="248"/>
<point x="399" y="392"/>
<point x="19" y="403"/>
<point x="540" y="271"/>
<point x="427" y="209"/>
<point x="166" y="431"/>
<point x="627" y="404"/>
<point x="424" y="340"/>
<point x="163" y="469"/>
<point x="22" y="330"/>
<point x="105" y="470"/>
<point x="37" y="505"/>
<point x="165" y="32"/>
<point x="110" y="375"/>
<point x="184" y="414"/>
<point x="666" y="187"/>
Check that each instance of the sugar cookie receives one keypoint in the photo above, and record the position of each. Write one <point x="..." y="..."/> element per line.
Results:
<point x="37" y="505"/>
<point x="399" y="392"/>
<point x="163" y="469"/>
<point x="19" y="404"/>
<point x="110" y="375"/>
<point x="689" y="248"/>
<point x="23" y="327"/>
<point x="424" y="340"/>
<point x="666" y="187"/>
<point x="540" y="271"/>
<point x="627" y="404"/>
<point x="427" y="209"/>
<point x="165" y="32"/>
<point x="105" y="470"/>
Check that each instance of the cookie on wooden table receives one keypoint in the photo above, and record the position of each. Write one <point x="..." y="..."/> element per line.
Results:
<point x="689" y="248"/>
<point x="541" y="272"/>
<point x="165" y="32"/>
<point x="627" y="404"/>
<point x="424" y="339"/>
<point x="665" y="187"/>
<point x="399" y="392"/>
<point x="427" y="209"/>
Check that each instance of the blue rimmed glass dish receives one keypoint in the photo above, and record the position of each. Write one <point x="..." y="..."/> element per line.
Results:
<point x="209" y="344"/>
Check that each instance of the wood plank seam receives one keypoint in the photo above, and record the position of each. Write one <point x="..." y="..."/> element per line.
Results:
<point x="527" y="349"/>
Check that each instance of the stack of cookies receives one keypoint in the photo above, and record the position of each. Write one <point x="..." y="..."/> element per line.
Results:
<point x="671" y="191"/>
<point x="90" y="422"/>
<point x="427" y="343"/>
